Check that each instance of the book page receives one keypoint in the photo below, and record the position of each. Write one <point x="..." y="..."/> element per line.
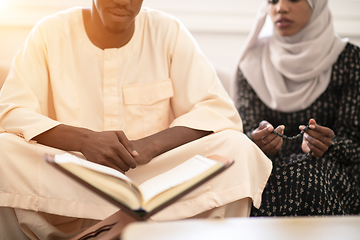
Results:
<point x="107" y="180"/>
<point x="67" y="157"/>
<point x="178" y="175"/>
<point x="114" y="187"/>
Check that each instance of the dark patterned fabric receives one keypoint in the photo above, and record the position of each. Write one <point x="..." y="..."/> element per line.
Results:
<point x="327" y="185"/>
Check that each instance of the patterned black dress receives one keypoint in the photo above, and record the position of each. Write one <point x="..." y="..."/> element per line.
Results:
<point x="327" y="185"/>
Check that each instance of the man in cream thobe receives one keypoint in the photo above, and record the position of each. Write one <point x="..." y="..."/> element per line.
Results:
<point x="125" y="87"/>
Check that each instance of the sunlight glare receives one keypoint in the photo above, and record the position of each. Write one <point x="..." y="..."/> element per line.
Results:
<point x="6" y="10"/>
<point x="3" y="4"/>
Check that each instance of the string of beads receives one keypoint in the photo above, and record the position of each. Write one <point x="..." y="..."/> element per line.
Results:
<point x="293" y="137"/>
<point x="308" y="155"/>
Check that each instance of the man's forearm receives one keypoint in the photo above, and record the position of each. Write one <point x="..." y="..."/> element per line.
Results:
<point x="110" y="148"/>
<point x="63" y="137"/>
<point x="169" y="139"/>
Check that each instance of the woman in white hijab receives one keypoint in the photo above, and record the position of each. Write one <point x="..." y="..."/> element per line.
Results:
<point x="301" y="73"/>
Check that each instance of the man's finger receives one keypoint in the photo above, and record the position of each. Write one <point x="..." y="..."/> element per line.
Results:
<point x="127" y="157"/>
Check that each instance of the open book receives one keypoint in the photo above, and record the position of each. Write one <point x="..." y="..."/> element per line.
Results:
<point x="141" y="201"/>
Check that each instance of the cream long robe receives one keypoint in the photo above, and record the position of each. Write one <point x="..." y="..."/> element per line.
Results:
<point x="158" y="80"/>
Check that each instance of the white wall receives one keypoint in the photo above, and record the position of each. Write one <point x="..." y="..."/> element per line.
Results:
<point x="220" y="27"/>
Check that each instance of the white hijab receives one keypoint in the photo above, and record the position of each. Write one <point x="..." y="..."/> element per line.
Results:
<point x="289" y="73"/>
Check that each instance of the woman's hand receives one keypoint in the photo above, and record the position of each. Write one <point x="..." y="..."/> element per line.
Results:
<point x="267" y="141"/>
<point x="316" y="138"/>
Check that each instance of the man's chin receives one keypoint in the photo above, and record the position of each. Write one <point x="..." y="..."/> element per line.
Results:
<point x="116" y="28"/>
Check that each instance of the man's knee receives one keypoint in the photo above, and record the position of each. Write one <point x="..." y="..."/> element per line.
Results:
<point x="9" y="143"/>
<point x="235" y="139"/>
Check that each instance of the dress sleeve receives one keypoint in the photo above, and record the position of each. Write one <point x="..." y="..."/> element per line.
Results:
<point x="250" y="107"/>
<point x="24" y="96"/>
<point x="200" y="100"/>
<point x="346" y="143"/>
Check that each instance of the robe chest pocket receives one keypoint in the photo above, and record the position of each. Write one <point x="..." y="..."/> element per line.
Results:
<point x="147" y="107"/>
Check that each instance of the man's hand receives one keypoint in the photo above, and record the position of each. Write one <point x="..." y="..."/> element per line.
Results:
<point x="267" y="141"/>
<point x="110" y="148"/>
<point x="316" y="138"/>
<point x="113" y="148"/>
